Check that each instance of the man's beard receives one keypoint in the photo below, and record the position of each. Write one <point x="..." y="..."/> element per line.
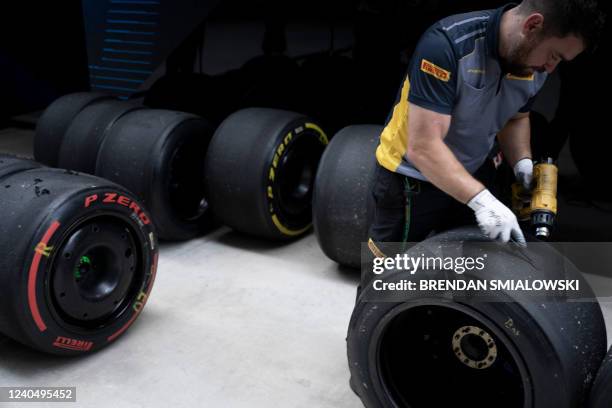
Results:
<point x="514" y="62"/>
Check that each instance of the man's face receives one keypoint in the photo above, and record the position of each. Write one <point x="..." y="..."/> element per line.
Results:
<point x="534" y="52"/>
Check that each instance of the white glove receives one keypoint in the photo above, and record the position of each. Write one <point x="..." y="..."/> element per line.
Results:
<point x="523" y="171"/>
<point x="495" y="219"/>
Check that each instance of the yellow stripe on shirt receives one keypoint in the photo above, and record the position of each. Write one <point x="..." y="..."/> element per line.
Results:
<point x="394" y="138"/>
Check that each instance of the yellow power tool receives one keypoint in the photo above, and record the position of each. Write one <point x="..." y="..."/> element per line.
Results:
<point x="538" y="206"/>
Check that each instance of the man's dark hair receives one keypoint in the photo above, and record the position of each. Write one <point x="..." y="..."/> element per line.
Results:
<point x="582" y="18"/>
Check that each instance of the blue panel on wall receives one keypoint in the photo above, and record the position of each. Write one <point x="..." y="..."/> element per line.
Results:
<point x="128" y="39"/>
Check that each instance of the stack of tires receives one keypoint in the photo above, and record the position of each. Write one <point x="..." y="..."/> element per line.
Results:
<point x="256" y="173"/>
<point x="79" y="257"/>
<point x="85" y="266"/>
<point x="156" y="154"/>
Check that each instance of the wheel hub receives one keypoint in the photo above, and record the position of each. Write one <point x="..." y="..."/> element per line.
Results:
<point x="93" y="272"/>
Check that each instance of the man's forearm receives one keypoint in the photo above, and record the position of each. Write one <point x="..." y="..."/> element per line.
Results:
<point x="440" y="166"/>
<point x="515" y="140"/>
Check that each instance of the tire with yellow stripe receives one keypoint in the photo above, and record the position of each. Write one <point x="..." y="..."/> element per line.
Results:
<point x="260" y="172"/>
<point x="342" y="206"/>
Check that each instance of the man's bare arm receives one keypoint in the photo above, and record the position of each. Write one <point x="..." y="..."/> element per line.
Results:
<point x="515" y="139"/>
<point x="427" y="151"/>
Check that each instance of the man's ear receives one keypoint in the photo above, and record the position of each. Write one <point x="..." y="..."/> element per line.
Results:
<point x="533" y="24"/>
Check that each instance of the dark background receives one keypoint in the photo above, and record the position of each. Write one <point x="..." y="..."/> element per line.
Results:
<point x="340" y="62"/>
<point x="43" y="46"/>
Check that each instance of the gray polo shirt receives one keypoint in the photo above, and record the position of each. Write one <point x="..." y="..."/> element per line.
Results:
<point x="455" y="70"/>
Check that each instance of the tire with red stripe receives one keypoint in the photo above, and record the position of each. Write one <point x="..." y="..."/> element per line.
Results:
<point x="79" y="256"/>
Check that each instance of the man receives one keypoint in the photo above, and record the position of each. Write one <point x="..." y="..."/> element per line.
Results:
<point x="472" y="80"/>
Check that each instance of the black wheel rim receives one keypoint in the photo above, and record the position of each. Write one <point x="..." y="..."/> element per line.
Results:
<point x="96" y="273"/>
<point x="438" y="356"/>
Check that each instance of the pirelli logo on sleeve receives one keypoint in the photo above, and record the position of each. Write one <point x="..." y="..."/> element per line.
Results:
<point x="435" y="71"/>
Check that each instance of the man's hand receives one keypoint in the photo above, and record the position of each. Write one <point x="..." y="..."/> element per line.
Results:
<point x="496" y="220"/>
<point x="523" y="171"/>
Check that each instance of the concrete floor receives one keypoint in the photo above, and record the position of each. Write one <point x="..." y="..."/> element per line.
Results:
<point x="232" y="322"/>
